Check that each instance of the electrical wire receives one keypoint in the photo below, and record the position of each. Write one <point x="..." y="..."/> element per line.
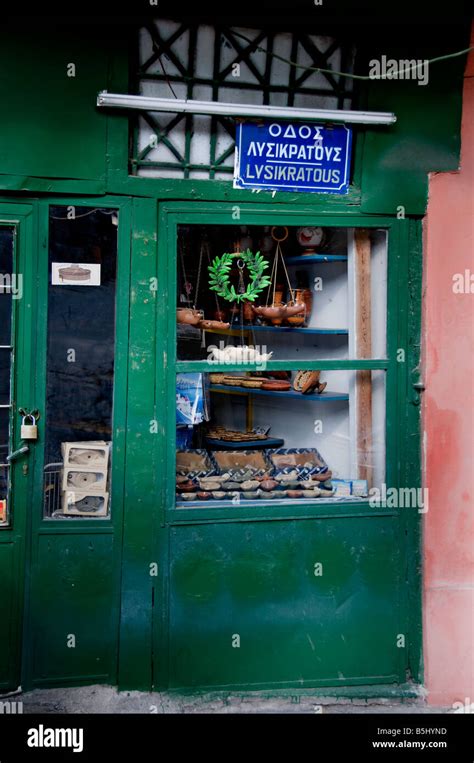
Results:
<point x="348" y="74"/>
<point x="86" y="214"/>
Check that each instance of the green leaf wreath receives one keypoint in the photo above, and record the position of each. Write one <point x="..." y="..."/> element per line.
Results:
<point x="219" y="280"/>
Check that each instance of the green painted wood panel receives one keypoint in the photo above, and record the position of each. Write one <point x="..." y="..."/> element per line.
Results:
<point x="8" y="595"/>
<point x="256" y="582"/>
<point x="72" y="595"/>
<point x="141" y="479"/>
<point x="50" y="127"/>
<point x="426" y="137"/>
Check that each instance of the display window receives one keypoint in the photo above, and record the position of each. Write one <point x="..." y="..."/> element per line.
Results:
<point x="252" y="302"/>
<point x="293" y="290"/>
<point x="283" y="436"/>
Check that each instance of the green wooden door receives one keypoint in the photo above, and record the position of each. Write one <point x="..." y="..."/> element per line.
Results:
<point x="76" y="508"/>
<point x="17" y="310"/>
<point x="241" y="602"/>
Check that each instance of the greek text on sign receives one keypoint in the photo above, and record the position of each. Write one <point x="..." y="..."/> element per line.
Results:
<point x="287" y="156"/>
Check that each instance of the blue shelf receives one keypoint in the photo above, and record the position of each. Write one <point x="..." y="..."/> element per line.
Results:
<point x="324" y="397"/>
<point x="292" y="329"/>
<point x="270" y="442"/>
<point x="305" y="258"/>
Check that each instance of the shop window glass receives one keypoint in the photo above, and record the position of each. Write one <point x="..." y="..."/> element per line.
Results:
<point x="80" y="361"/>
<point x="327" y="296"/>
<point x="284" y="436"/>
<point x="10" y="288"/>
<point x="251" y="295"/>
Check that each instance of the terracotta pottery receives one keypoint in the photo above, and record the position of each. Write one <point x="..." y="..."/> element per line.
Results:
<point x="188" y="315"/>
<point x="186" y="487"/>
<point x="209" y="485"/>
<point x="204" y="496"/>
<point x="248" y="312"/>
<point x="270" y="312"/>
<point x="296" y="308"/>
<point x="299" y="319"/>
<point x="276" y="386"/>
<point x="269" y="484"/>
<point x="294" y="493"/>
<point x="322" y="477"/>
<point x="213" y="325"/>
<point x="278" y="320"/>
<point x="220" y="315"/>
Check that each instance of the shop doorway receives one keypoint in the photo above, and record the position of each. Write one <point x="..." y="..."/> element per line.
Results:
<point x="278" y="556"/>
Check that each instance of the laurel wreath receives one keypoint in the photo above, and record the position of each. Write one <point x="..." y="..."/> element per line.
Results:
<point x="219" y="280"/>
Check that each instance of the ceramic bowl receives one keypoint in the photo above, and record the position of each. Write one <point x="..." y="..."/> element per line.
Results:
<point x="205" y="485"/>
<point x="250" y="485"/>
<point x="268" y="485"/>
<point x="294" y="493"/>
<point x="230" y="485"/>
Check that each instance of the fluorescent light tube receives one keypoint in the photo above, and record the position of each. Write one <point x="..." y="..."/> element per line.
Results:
<point x="175" y="105"/>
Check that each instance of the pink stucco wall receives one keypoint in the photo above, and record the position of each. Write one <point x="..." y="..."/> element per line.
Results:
<point x="448" y="425"/>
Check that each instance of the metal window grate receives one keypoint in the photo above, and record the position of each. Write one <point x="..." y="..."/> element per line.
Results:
<point x="228" y="64"/>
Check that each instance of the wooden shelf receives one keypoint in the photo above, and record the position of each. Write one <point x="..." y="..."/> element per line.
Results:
<point x="324" y="397"/>
<point x="282" y="329"/>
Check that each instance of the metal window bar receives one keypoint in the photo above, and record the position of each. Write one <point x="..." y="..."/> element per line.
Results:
<point x="164" y="43"/>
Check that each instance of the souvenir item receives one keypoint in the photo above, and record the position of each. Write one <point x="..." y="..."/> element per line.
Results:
<point x="189" y="399"/>
<point x="276" y="311"/>
<point x="238" y="355"/>
<point x="310" y="238"/>
<point x="276" y="386"/>
<point x="307" y="382"/>
<point x="219" y="272"/>
<point x="188" y="315"/>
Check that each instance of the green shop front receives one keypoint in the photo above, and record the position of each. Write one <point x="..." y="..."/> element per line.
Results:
<point x="207" y="393"/>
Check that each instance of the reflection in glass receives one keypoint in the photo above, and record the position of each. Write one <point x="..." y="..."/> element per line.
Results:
<point x="326" y="296"/>
<point x="80" y="360"/>
<point x="8" y="284"/>
<point x="306" y="436"/>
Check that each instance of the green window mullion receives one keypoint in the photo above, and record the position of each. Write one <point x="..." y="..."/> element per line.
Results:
<point x="192" y="366"/>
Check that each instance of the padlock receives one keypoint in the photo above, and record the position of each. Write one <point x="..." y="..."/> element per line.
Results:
<point x="28" y="431"/>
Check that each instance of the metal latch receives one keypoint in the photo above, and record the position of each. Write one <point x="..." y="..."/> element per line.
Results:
<point x="17" y="453"/>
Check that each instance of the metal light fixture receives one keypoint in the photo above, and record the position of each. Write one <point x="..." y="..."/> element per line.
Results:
<point x="171" y="105"/>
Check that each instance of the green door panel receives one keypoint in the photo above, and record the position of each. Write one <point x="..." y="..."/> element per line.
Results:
<point x="256" y="583"/>
<point x="8" y="594"/>
<point x="73" y="600"/>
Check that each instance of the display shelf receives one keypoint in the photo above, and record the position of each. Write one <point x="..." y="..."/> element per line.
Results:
<point x="303" y="259"/>
<point x="270" y="442"/>
<point x="281" y="329"/>
<point x="324" y="397"/>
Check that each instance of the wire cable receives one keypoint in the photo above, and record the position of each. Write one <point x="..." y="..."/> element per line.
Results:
<point x="348" y="74"/>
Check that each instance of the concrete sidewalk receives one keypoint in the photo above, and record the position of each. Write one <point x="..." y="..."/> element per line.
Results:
<point x="106" y="699"/>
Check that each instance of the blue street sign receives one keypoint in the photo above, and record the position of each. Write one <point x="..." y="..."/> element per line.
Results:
<point x="292" y="156"/>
